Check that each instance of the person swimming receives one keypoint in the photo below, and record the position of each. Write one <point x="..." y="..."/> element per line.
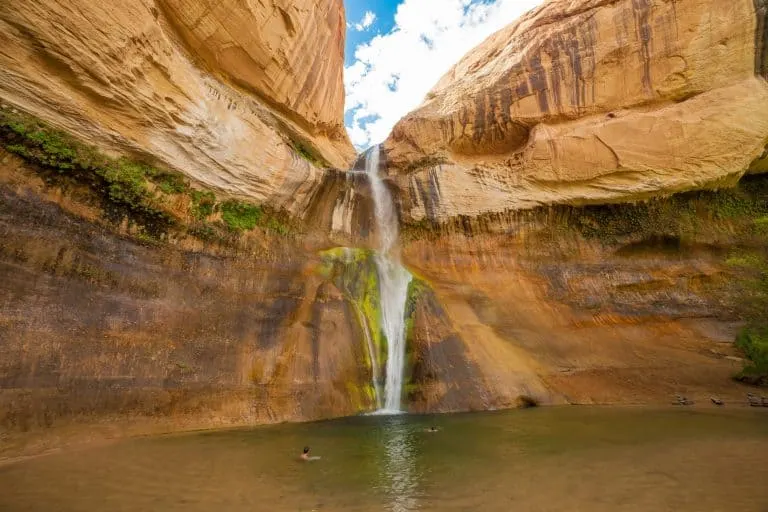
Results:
<point x="305" y="455"/>
<point x="431" y="430"/>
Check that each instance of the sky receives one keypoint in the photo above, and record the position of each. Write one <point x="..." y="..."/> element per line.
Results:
<point x="397" y="50"/>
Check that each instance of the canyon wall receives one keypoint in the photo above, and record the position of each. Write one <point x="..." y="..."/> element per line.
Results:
<point x="178" y="257"/>
<point x="232" y="94"/>
<point x="590" y="102"/>
<point x="580" y="103"/>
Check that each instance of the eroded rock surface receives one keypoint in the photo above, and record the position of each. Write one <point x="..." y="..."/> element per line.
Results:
<point x="229" y="93"/>
<point x="590" y="101"/>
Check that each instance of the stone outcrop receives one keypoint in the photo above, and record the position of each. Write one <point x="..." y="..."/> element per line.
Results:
<point x="587" y="102"/>
<point x="232" y="93"/>
<point x="94" y="324"/>
<point x="235" y="313"/>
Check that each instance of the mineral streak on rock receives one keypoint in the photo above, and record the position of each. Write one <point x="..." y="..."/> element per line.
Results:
<point x="592" y="101"/>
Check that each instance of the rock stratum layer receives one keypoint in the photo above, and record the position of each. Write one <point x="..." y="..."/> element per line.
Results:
<point x="591" y="101"/>
<point x="229" y="93"/>
<point x="133" y="301"/>
<point x="104" y="334"/>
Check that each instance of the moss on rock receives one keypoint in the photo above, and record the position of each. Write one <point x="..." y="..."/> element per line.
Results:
<point x="354" y="272"/>
<point x="132" y="189"/>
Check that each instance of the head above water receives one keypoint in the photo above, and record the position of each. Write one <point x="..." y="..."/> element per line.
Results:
<point x="306" y="450"/>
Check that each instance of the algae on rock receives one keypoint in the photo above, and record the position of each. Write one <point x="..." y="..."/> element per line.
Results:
<point x="354" y="272"/>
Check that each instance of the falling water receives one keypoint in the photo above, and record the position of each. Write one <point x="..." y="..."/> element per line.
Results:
<point x="393" y="283"/>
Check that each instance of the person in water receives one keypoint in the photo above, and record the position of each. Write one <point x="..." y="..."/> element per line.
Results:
<point x="305" y="455"/>
<point x="432" y="429"/>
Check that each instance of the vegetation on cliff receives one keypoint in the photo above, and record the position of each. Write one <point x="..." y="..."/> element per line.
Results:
<point x="732" y="222"/>
<point x="353" y="271"/>
<point x="753" y="339"/>
<point x="156" y="200"/>
<point x="418" y="290"/>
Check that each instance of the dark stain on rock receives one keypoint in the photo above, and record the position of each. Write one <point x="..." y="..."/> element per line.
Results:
<point x="333" y="190"/>
<point x="505" y="99"/>
<point x="761" y="38"/>
<point x="442" y="360"/>
<point x="522" y="90"/>
<point x="480" y="120"/>
<point x="538" y="81"/>
<point x="641" y="10"/>
<point x="557" y="78"/>
<point x="430" y="196"/>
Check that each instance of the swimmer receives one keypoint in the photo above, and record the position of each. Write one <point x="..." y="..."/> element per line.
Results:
<point x="431" y="430"/>
<point x="305" y="455"/>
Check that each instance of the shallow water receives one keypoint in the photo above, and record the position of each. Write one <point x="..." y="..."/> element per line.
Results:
<point x="569" y="458"/>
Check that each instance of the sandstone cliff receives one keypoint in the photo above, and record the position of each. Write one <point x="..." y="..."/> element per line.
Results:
<point x="232" y="93"/>
<point x="590" y="101"/>
<point x="134" y="301"/>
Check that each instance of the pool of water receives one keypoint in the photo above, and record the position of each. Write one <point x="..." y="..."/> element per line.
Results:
<point x="569" y="458"/>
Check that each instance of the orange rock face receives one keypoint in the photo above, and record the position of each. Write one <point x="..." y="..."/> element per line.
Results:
<point x="291" y="54"/>
<point x="226" y="93"/>
<point x="591" y="101"/>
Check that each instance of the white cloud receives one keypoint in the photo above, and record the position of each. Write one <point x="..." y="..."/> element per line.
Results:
<point x="392" y="73"/>
<point x="368" y="20"/>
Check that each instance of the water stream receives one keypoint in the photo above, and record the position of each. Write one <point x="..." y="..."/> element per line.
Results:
<point x="393" y="283"/>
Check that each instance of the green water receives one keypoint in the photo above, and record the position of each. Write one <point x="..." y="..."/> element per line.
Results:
<point x="569" y="458"/>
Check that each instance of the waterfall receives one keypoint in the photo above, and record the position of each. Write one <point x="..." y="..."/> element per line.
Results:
<point x="393" y="283"/>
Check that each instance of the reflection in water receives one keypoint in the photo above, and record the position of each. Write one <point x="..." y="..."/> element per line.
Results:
<point x="638" y="461"/>
<point x="400" y="476"/>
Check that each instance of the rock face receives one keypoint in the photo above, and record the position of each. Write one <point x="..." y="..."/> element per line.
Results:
<point x="93" y="323"/>
<point x="229" y="93"/>
<point x="590" y="101"/>
<point x="231" y="316"/>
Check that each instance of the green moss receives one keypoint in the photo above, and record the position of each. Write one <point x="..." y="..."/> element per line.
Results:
<point x="737" y="212"/>
<point x="170" y="183"/>
<point x="120" y="184"/>
<point x="761" y="226"/>
<point x="418" y="290"/>
<point x="277" y="226"/>
<point x="240" y="216"/>
<point x="203" y="204"/>
<point x="732" y="211"/>
<point x="127" y="188"/>
<point x="354" y="273"/>
<point x="308" y="153"/>
<point x="753" y="341"/>
<point x="744" y="259"/>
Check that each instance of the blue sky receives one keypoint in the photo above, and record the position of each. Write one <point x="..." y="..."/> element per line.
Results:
<point x="384" y="22"/>
<point x="398" y="49"/>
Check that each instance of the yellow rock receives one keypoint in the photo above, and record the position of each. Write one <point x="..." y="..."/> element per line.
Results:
<point x="590" y="101"/>
<point x="218" y="90"/>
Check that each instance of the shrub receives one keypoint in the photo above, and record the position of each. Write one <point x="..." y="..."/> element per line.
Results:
<point x="124" y="185"/>
<point x="240" y="216"/>
<point x="170" y="183"/>
<point x="203" y="204"/>
<point x="754" y="343"/>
